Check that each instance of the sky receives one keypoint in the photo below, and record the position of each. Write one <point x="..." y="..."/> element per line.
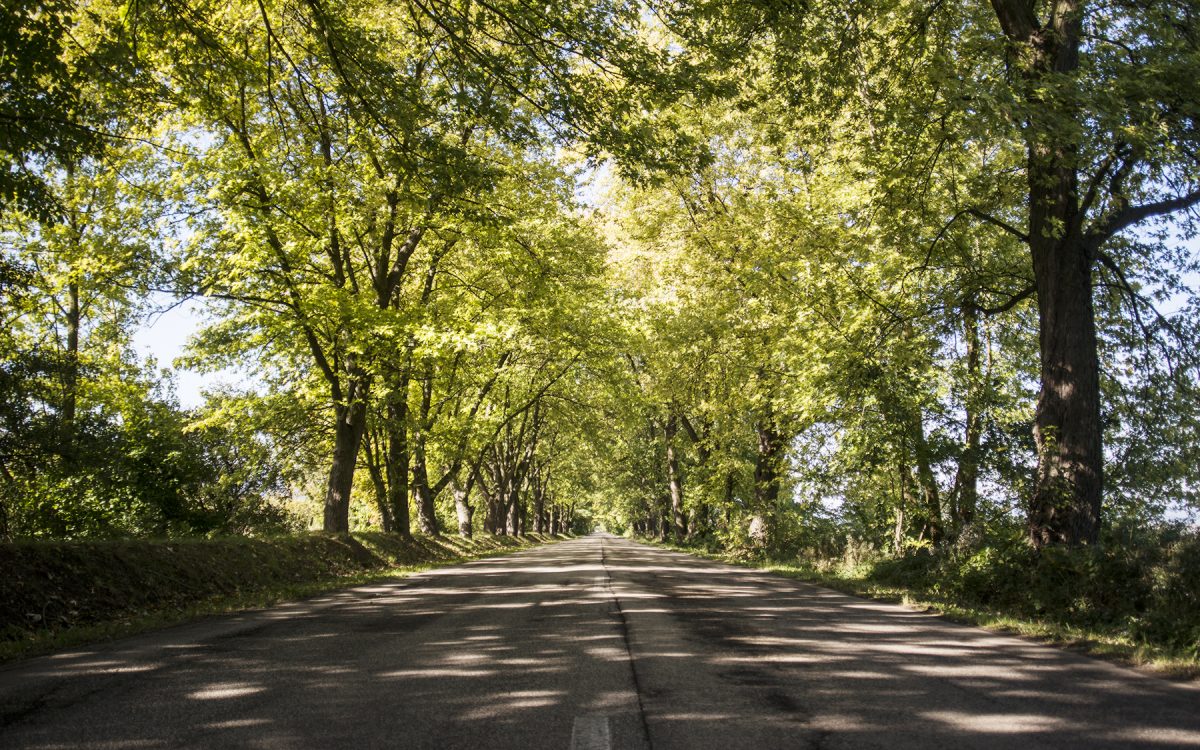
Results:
<point x="164" y="336"/>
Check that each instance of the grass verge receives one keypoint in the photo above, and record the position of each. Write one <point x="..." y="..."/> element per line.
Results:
<point x="57" y="595"/>
<point x="1111" y="644"/>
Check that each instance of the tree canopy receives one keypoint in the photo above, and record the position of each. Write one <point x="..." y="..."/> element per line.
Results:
<point x="763" y="275"/>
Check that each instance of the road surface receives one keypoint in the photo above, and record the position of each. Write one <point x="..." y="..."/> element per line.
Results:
<point x="596" y="642"/>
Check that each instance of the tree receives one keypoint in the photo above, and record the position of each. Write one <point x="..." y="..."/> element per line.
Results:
<point x="44" y="112"/>
<point x="1103" y="96"/>
<point x="1096" y="95"/>
<point x="853" y="232"/>
<point x="386" y="177"/>
<point x="81" y="286"/>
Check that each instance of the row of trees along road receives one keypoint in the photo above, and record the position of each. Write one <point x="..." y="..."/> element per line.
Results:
<point x="688" y="267"/>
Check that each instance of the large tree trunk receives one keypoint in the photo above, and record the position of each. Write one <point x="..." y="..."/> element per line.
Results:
<point x="513" y="515"/>
<point x="766" y="481"/>
<point x="674" y="481"/>
<point x="901" y="508"/>
<point x="497" y="510"/>
<point x="376" y="465"/>
<point x="1067" y="429"/>
<point x="397" y="462"/>
<point x="726" y="517"/>
<point x="539" y="502"/>
<point x="1066" y="501"/>
<point x="699" y="515"/>
<point x="966" y="479"/>
<point x="926" y="481"/>
<point x="351" y="421"/>
<point x="462" y="506"/>
<point x="1070" y="474"/>
<point x="489" y="507"/>
<point x="426" y="511"/>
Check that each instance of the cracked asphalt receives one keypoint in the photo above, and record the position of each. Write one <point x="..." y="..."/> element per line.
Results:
<point x="590" y="643"/>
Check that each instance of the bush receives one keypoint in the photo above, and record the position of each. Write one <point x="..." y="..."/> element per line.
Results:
<point x="1173" y="614"/>
<point x="1144" y="585"/>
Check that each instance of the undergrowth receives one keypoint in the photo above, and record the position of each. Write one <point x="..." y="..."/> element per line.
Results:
<point x="1136" y="597"/>
<point x="60" y="594"/>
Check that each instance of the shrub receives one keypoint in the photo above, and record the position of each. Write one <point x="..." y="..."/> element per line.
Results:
<point x="1173" y="614"/>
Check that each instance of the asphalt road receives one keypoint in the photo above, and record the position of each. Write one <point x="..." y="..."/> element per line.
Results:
<point x="592" y="643"/>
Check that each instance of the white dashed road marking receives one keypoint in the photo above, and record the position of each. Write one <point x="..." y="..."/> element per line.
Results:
<point x="591" y="733"/>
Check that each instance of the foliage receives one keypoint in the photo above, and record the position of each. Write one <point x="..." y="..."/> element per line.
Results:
<point x="778" y="278"/>
<point x="1141" y="583"/>
<point x="43" y="111"/>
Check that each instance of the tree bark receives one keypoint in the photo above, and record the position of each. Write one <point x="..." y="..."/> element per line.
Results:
<point x="539" y="482"/>
<point x="398" y="460"/>
<point x="1067" y="428"/>
<point x="350" y="422"/>
<point x="1066" y="502"/>
<point x="426" y="511"/>
<point x="71" y="373"/>
<point x="376" y="466"/>
<point x="489" y="507"/>
<point x="462" y="506"/>
<point x="926" y="481"/>
<point x="966" y="479"/>
<point x="513" y="511"/>
<point x="674" y="481"/>
<point x="766" y="479"/>
<point x="698" y="518"/>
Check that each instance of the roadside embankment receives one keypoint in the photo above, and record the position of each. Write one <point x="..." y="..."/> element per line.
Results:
<point x="1137" y="603"/>
<point x="56" y="594"/>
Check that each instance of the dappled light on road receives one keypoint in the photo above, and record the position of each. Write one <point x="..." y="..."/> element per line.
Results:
<point x="787" y="662"/>
<point x="595" y="637"/>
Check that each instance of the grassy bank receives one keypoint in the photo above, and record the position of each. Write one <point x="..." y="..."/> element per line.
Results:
<point x="1139" y="605"/>
<point x="60" y="594"/>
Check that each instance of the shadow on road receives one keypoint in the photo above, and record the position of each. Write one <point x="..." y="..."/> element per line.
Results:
<point x="512" y="652"/>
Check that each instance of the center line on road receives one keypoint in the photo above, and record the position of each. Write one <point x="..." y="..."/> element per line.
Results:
<point x="591" y="733"/>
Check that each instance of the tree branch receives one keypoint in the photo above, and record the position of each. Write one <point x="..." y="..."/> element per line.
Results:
<point x="1005" y="306"/>
<point x="1017" y="18"/>
<point x="982" y="216"/>
<point x="1135" y="214"/>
